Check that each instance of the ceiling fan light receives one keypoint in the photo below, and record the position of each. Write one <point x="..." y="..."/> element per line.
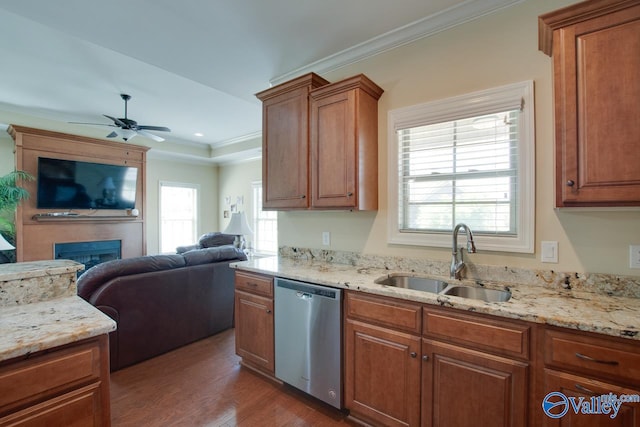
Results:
<point x="127" y="134"/>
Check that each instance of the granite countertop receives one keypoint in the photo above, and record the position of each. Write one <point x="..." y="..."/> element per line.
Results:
<point x="29" y="328"/>
<point x="39" y="308"/>
<point x="570" y="308"/>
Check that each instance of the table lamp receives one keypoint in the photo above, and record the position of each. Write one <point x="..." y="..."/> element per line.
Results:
<point x="240" y="227"/>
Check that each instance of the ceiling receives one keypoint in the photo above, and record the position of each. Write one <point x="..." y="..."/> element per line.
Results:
<point x="193" y="66"/>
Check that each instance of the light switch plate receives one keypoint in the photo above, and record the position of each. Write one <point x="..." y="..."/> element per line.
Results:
<point x="634" y="256"/>
<point x="549" y="251"/>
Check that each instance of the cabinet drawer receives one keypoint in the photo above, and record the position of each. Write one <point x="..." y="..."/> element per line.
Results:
<point x="495" y="335"/>
<point x="594" y="355"/>
<point x="384" y="311"/>
<point x="254" y="283"/>
<point x="43" y="376"/>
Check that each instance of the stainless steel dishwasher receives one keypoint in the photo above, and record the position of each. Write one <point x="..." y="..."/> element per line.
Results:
<point x="308" y="337"/>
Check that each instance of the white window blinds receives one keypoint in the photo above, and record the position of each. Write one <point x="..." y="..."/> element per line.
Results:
<point x="466" y="159"/>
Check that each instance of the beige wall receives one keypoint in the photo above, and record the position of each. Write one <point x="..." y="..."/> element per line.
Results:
<point x="204" y="175"/>
<point x="491" y="51"/>
<point x="234" y="180"/>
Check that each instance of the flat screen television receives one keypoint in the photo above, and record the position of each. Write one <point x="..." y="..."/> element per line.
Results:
<point x="70" y="184"/>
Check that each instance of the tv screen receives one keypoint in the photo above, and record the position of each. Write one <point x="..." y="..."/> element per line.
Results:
<point x="69" y="184"/>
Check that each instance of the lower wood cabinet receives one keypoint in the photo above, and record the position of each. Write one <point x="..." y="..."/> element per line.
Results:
<point x="382" y="383"/>
<point x="254" y="331"/>
<point x="582" y="389"/>
<point x="468" y="388"/>
<point x="66" y="386"/>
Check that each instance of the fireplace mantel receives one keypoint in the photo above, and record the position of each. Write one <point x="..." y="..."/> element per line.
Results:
<point x="37" y="232"/>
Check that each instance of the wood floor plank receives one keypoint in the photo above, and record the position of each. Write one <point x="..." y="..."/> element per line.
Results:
<point x="203" y="384"/>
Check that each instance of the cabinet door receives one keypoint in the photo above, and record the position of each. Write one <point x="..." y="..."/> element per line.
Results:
<point x="467" y="388"/>
<point x="382" y="374"/>
<point x="596" y="66"/>
<point x="254" y="330"/>
<point x="583" y="389"/>
<point x="285" y="164"/>
<point x="333" y="151"/>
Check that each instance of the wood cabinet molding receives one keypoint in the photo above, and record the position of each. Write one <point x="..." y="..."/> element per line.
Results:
<point x="574" y="14"/>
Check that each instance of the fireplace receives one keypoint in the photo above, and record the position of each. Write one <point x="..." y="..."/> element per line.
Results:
<point x="88" y="253"/>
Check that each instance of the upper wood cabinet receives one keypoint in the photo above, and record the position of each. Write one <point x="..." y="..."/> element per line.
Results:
<point x="285" y="142"/>
<point x="595" y="47"/>
<point x="344" y="145"/>
<point x="320" y="144"/>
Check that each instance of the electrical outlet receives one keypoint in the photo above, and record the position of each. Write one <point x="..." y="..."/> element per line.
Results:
<point x="549" y="252"/>
<point x="634" y="256"/>
<point x="326" y="238"/>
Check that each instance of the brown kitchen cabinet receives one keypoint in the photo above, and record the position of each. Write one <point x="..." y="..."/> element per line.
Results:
<point x="254" y="331"/>
<point x="344" y="145"/>
<point x="65" y="386"/>
<point x="579" y="364"/>
<point x="475" y="370"/>
<point x="285" y="142"/>
<point x="595" y="47"/>
<point x="382" y="360"/>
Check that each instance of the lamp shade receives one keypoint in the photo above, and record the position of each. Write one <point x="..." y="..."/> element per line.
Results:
<point x="4" y="245"/>
<point x="238" y="225"/>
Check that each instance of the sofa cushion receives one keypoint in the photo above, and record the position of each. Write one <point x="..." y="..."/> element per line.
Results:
<point x="216" y="238"/>
<point x="216" y="254"/>
<point x="94" y="277"/>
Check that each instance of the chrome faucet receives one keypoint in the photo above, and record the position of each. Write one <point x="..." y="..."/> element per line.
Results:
<point x="457" y="264"/>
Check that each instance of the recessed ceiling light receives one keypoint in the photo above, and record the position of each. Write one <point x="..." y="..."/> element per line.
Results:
<point x="198" y="134"/>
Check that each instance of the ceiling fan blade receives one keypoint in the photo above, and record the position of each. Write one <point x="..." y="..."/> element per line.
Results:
<point x="112" y="135"/>
<point x="96" y="124"/>
<point x="150" y="135"/>
<point x="157" y="128"/>
<point x="117" y="121"/>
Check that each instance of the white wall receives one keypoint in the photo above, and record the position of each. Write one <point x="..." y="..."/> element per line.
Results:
<point x="495" y="50"/>
<point x="234" y="180"/>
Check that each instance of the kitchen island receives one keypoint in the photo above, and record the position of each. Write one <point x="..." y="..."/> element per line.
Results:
<point x="54" y="356"/>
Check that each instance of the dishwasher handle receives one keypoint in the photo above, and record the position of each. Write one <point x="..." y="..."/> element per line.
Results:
<point x="303" y="295"/>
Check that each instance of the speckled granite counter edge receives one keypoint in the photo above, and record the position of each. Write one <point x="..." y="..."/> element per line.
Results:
<point x="571" y="308"/>
<point x="30" y="328"/>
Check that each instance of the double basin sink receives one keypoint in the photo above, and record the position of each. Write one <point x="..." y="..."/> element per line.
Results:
<point x="440" y="287"/>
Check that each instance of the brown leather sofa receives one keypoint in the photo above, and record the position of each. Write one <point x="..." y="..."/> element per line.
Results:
<point x="162" y="302"/>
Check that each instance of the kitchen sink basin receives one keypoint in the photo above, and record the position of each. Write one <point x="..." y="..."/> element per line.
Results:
<point x="489" y="295"/>
<point x="424" y="284"/>
<point x="436" y="286"/>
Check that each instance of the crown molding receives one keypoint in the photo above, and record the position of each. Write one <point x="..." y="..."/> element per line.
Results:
<point x="236" y="140"/>
<point x="464" y="12"/>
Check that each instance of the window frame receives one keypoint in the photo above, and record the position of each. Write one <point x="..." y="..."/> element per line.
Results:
<point x="196" y="227"/>
<point x="469" y="105"/>
<point x="257" y="210"/>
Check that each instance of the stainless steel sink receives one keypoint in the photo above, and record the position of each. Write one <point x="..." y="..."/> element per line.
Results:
<point x="489" y="295"/>
<point x="436" y="286"/>
<point x="417" y="283"/>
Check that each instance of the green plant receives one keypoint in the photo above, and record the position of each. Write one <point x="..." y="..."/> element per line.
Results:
<point x="11" y="194"/>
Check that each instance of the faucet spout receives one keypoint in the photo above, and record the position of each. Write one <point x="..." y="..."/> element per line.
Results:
<point x="457" y="264"/>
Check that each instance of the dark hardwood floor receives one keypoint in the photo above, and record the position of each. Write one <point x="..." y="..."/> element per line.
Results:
<point x="203" y="384"/>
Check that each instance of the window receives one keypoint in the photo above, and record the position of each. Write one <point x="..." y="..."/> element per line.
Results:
<point x="265" y="224"/>
<point x="178" y="215"/>
<point x="466" y="159"/>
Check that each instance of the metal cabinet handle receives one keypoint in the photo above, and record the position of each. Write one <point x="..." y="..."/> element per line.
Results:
<point x="268" y="311"/>
<point x="570" y="183"/>
<point x="303" y="196"/>
<point x="585" y="390"/>
<point x="414" y="354"/>
<point x="591" y="359"/>
<point x="425" y="358"/>
<point x="349" y="194"/>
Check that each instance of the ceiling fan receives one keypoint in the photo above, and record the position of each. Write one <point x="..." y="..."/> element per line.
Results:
<point x="128" y="128"/>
